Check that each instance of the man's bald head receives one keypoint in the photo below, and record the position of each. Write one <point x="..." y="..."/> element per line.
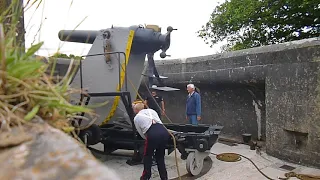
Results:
<point x="138" y="107"/>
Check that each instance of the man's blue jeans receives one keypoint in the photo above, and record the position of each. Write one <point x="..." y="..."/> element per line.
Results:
<point x="193" y="119"/>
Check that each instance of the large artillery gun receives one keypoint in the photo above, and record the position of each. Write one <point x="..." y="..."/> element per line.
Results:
<point x="113" y="71"/>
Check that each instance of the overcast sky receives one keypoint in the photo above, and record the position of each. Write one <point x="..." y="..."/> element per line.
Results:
<point x="186" y="15"/>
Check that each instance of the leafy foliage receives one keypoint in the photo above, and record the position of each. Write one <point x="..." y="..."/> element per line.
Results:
<point x="252" y="23"/>
<point x="27" y="91"/>
<point x="61" y="55"/>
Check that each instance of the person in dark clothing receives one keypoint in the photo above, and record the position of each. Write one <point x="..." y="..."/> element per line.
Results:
<point x="150" y="128"/>
<point x="156" y="103"/>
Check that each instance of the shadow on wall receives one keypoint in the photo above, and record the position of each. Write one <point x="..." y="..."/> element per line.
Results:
<point x="238" y="107"/>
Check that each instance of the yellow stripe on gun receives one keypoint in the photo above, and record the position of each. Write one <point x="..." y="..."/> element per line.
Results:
<point x="122" y="76"/>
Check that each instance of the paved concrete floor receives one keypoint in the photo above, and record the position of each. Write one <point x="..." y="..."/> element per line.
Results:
<point x="241" y="170"/>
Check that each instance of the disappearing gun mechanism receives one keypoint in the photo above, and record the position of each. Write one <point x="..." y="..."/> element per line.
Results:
<point x="116" y="58"/>
<point x="118" y="55"/>
<point x="146" y="40"/>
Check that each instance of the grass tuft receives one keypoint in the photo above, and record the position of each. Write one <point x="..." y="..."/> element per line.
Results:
<point x="27" y="90"/>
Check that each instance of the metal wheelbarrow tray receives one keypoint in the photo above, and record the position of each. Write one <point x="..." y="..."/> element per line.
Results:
<point x="194" y="143"/>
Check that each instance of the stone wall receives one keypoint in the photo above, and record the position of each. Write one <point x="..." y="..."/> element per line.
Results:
<point x="293" y="127"/>
<point x="235" y="106"/>
<point x="39" y="151"/>
<point x="272" y="88"/>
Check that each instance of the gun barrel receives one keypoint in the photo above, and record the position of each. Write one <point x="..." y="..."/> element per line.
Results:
<point x="80" y="36"/>
<point x="145" y="39"/>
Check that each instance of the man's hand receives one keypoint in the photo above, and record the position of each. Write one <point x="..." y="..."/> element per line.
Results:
<point x="163" y="112"/>
<point x="198" y="118"/>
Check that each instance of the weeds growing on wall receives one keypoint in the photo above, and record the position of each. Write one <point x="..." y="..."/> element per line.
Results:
<point x="26" y="90"/>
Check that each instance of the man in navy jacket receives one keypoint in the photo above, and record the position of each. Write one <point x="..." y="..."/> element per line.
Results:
<point x="193" y="106"/>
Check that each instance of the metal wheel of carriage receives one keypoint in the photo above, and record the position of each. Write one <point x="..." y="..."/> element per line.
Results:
<point x="194" y="165"/>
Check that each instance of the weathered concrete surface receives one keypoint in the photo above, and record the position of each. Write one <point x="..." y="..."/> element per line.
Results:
<point x="242" y="170"/>
<point x="230" y="105"/>
<point x="232" y="84"/>
<point x="293" y="124"/>
<point x="269" y="91"/>
<point x="48" y="153"/>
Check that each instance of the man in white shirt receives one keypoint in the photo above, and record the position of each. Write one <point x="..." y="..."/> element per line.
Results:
<point x="150" y="128"/>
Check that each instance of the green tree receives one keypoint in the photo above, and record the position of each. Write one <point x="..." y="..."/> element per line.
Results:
<point x="61" y="55"/>
<point x="252" y="23"/>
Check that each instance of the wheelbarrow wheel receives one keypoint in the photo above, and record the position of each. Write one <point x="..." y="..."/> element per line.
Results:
<point x="93" y="134"/>
<point x="194" y="166"/>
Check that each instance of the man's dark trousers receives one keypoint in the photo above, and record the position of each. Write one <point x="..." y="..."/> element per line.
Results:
<point x="156" y="140"/>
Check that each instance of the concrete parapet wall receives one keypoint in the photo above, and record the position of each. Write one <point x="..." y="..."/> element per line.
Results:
<point x="268" y="91"/>
<point x="232" y="106"/>
<point x="292" y="113"/>
<point x="238" y="66"/>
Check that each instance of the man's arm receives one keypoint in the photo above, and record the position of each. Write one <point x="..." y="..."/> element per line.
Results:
<point x="198" y="106"/>
<point x="186" y="111"/>
<point x="146" y="102"/>
<point x="162" y="105"/>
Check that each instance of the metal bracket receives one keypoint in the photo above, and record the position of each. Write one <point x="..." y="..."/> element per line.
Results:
<point x="152" y="71"/>
<point x="107" y="48"/>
